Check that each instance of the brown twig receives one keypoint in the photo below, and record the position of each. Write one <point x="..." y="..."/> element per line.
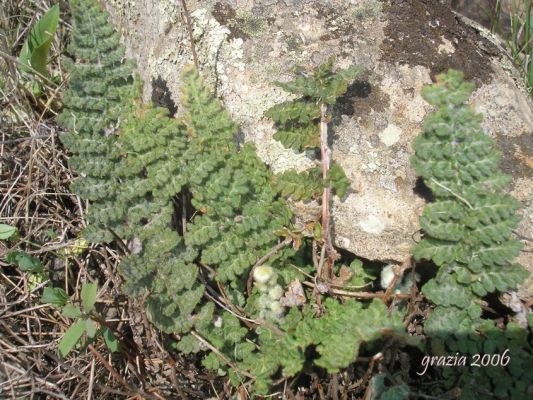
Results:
<point x="325" y="160"/>
<point x="191" y="36"/>
<point x="107" y="366"/>
<point x="359" y="295"/>
<point x="126" y="343"/>
<point x="398" y="274"/>
<point x="368" y="373"/>
<point x="321" y="261"/>
<point x="314" y="254"/>
<point x="78" y="374"/>
<point x="22" y="139"/>
<point x="119" y="241"/>
<point x="328" y="257"/>
<point x="117" y="376"/>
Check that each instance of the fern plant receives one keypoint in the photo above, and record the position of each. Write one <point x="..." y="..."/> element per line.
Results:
<point x="302" y="124"/>
<point x="239" y="214"/>
<point x="100" y="85"/>
<point x="468" y="235"/>
<point x="230" y="186"/>
<point x="233" y="229"/>
<point x="198" y="212"/>
<point x="201" y="215"/>
<point x="152" y="172"/>
<point x="337" y="336"/>
<point x="133" y="180"/>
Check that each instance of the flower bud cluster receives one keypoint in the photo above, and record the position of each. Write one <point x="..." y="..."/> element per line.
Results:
<point x="265" y="280"/>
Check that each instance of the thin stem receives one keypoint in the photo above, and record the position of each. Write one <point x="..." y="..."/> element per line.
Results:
<point x="360" y="295"/>
<point x="330" y="253"/>
<point x="528" y="39"/>
<point x="191" y="37"/>
<point x="314" y="254"/>
<point x="110" y="368"/>
<point x="321" y="262"/>
<point x="398" y="275"/>
<point x="325" y="159"/>
<point x="324" y="151"/>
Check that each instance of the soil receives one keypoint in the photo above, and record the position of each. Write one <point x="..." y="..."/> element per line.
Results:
<point x="415" y="29"/>
<point x="517" y="153"/>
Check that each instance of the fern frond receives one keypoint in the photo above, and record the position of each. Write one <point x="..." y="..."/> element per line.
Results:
<point x="298" y="111"/>
<point x="100" y="86"/>
<point x="338" y="180"/>
<point x="299" y="186"/>
<point x="299" y="139"/>
<point x="468" y="233"/>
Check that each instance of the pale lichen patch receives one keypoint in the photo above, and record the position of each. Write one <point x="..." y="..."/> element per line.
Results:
<point x="446" y="46"/>
<point x="390" y="135"/>
<point x="366" y="10"/>
<point x="170" y="10"/>
<point x="372" y="224"/>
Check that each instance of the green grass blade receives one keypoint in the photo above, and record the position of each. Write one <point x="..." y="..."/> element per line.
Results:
<point x="34" y="53"/>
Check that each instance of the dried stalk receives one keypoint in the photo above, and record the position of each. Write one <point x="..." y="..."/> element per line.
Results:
<point x="325" y="152"/>
<point x="189" y="30"/>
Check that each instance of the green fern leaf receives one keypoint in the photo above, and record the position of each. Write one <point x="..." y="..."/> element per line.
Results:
<point x="441" y="252"/>
<point x="338" y="180"/>
<point x="300" y="112"/>
<point x="299" y="138"/>
<point x="448" y="292"/>
<point x="299" y="186"/>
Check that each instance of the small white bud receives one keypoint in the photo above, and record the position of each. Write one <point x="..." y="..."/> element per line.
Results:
<point x="276" y="308"/>
<point x="218" y="322"/>
<point x="263" y="273"/>
<point x="387" y="275"/>
<point x="275" y="293"/>
<point x="263" y="301"/>
<point x="263" y="287"/>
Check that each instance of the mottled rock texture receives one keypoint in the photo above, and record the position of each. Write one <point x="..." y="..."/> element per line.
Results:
<point x="245" y="45"/>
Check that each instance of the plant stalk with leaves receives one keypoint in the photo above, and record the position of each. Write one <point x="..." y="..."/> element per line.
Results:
<point x="303" y="124"/>
<point x="87" y="320"/>
<point x="325" y="154"/>
<point x="469" y="236"/>
<point x="138" y="163"/>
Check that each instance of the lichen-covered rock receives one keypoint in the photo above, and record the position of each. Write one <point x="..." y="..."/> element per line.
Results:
<point x="245" y="45"/>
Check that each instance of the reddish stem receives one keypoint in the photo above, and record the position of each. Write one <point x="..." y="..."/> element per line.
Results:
<point x="326" y="160"/>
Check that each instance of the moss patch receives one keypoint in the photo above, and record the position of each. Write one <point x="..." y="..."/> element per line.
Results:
<point x="516" y="159"/>
<point x="416" y="28"/>
<point x="242" y="24"/>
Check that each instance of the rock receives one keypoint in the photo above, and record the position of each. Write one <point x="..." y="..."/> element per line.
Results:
<point x="244" y="45"/>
